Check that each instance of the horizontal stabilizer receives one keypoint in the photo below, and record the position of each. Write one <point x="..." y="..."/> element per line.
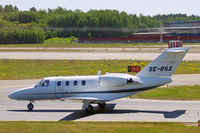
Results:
<point x="176" y="51"/>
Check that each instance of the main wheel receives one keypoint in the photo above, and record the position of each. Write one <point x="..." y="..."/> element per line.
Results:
<point x="30" y="106"/>
<point x="102" y="105"/>
<point x="89" y="109"/>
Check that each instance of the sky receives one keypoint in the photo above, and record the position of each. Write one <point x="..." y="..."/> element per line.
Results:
<point x="145" y="7"/>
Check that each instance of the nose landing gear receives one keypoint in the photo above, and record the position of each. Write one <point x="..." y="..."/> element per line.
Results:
<point x="30" y="106"/>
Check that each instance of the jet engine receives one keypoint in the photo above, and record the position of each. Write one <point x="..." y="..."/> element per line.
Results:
<point x="114" y="81"/>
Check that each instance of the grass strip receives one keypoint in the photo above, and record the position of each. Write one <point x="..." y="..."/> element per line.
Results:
<point x="34" y="69"/>
<point x="98" y="45"/>
<point x="95" y="127"/>
<point x="172" y="93"/>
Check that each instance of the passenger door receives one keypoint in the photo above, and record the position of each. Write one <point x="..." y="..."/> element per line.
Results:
<point x="59" y="89"/>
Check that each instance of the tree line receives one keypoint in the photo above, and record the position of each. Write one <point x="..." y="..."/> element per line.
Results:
<point x="34" y="26"/>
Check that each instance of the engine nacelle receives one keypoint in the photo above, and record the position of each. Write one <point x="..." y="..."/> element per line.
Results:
<point x="112" y="81"/>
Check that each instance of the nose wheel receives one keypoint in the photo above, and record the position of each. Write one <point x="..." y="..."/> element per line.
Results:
<point x="89" y="109"/>
<point x="30" y="106"/>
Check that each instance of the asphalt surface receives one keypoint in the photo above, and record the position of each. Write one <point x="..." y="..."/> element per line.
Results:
<point x="134" y="53"/>
<point x="119" y="110"/>
<point x="88" y="55"/>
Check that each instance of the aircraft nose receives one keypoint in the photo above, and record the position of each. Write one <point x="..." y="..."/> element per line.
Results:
<point x="20" y="94"/>
<point x="13" y="95"/>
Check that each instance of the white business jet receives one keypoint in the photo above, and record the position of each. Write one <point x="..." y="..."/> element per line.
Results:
<point x="99" y="89"/>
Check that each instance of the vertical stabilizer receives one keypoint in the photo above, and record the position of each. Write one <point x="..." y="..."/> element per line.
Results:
<point x="165" y="64"/>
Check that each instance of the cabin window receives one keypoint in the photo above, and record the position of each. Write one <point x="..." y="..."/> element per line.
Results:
<point x="83" y="82"/>
<point x="75" y="82"/>
<point x="58" y="83"/>
<point x="45" y="83"/>
<point x="66" y="83"/>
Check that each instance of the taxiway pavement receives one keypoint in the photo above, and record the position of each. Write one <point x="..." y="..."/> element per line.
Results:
<point x="87" y="55"/>
<point x="133" y="53"/>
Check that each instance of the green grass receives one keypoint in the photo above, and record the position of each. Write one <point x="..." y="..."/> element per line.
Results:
<point x="62" y="44"/>
<point x="95" y="127"/>
<point x="57" y="40"/>
<point x="46" y="44"/>
<point x="34" y="69"/>
<point x="65" y="43"/>
<point x="172" y="93"/>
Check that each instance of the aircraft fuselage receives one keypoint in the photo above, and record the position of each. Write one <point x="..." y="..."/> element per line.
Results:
<point x="90" y="86"/>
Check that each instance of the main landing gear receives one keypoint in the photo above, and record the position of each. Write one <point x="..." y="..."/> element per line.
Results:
<point x="30" y="106"/>
<point x="89" y="108"/>
<point x="102" y="105"/>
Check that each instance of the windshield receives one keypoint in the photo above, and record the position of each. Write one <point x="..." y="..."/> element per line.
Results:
<point x="45" y="83"/>
<point x="39" y="83"/>
<point x="42" y="83"/>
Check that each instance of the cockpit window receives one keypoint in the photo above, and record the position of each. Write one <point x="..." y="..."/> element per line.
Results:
<point x="45" y="83"/>
<point x="39" y="83"/>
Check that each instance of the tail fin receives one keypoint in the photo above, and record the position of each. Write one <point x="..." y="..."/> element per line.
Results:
<point x="165" y="64"/>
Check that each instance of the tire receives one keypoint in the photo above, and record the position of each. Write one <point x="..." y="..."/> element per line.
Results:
<point x="89" y="109"/>
<point x="30" y="106"/>
<point x="102" y="105"/>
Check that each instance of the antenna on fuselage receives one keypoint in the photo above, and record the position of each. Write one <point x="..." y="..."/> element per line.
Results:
<point x="99" y="73"/>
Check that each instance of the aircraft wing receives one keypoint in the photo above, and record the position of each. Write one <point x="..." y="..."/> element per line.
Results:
<point x="95" y="98"/>
<point x="91" y="99"/>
